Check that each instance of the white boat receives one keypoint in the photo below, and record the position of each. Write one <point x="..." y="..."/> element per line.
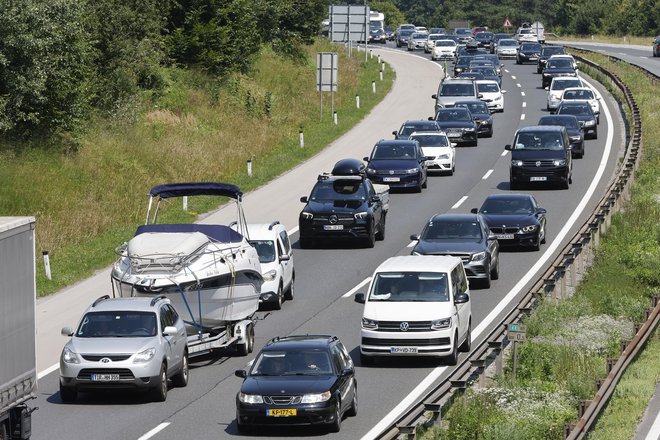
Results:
<point x="210" y="273"/>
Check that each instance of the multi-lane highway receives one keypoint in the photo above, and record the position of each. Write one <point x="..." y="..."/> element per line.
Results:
<point x="327" y="277"/>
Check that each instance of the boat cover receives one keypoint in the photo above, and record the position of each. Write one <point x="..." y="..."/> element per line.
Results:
<point x="168" y="190"/>
<point x="221" y="233"/>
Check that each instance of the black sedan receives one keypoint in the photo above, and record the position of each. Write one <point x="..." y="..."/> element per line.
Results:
<point x="546" y="53"/>
<point x="575" y="133"/>
<point x="403" y="37"/>
<point x="555" y="68"/>
<point x="465" y="236"/>
<point x="585" y="116"/>
<point x="377" y="36"/>
<point x="516" y="219"/>
<point x="409" y="127"/>
<point x="529" y="53"/>
<point x="398" y="163"/>
<point x="458" y="124"/>
<point x="298" y="380"/>
<point x="480" y="114"/>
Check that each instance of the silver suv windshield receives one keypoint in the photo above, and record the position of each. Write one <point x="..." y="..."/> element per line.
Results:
<point x="410" y="287"/>
<point x="117" y="324"/>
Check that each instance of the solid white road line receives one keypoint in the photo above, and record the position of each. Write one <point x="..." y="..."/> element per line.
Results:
<point x="154" y="431"/>
<point x="356" y="288"/>
<point x="293" y="230"/>
<point x="416" y="393"/>
<point x="524" y="104"/>
<point x="654" y="432"/>
<point x="488" y="173"/>
<point x="522" y="117"/>
<point x="47" y="371"/>
<point x="460" y="202"/>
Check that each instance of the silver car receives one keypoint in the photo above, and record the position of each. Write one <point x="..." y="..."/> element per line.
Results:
<point x="134" y="343"/>
<point x="417" y="41"/>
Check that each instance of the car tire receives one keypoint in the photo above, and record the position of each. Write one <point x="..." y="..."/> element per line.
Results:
<point x="485" y="282"/>
<point x="370" y="241"/>
<point x="489" y="134"/>
<point x="452" y="358"/>
<point x="353" y="410"/>
<point x="277" y="304"/>
<point x="335" y="426"/>
<point x="466" y="346"/>
<point x="513" y="185"/>
<point x="3" y="431"/>
<point x="180" y="380"/>
<point x="246" y="347"/>
<point x="426" y="182"/>
<point x="543" y="238"/>
<point x="68" y="394"/>
<point x="159" y="392"/>
<point x="495" y="272"/>
<point x="289" y="294"/>
<point x="537" y="244"/>
<point x="380" y="235"/>
<point x="595" y="136"/>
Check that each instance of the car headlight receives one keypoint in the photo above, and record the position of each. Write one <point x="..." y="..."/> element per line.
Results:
<point x="576" y="138"/>
<point x="438" y="324"/>
<point x="307" y="215"/>
<point x="559" y="162"/>
<point x="361" y="215"/>
<point x="144" y="356"/>
<point x="316" y="398"/>
<point x="590" y="123"/>
<point x="478" y="256"/>
<point x="412" y="170"/>
<point x="250" y="399"/>
<point x="529" y="228"/>
<point x="469" y="129"/>
<point x="443" y="156"/>
<point x="516" y="163"/>
<point x="370" y="171"/>
<point x="70" y="357"/>
<point x="369" y="324"/>
<point x="270" y="275"/>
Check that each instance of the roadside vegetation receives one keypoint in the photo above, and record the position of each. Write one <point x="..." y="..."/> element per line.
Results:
<point x="569" y="341"/>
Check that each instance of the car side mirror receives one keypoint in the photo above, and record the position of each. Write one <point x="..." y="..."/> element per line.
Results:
<point x="366" y="159"/>
<point x="503" y="91"/>
<point x="508" y="147"/>
<point x="285" y="257"/>
<point x="461" y="298"/>
<point x="546" y="88"/>
<point x="480" y="96"/>
<point x="434" y="96"/>
<point x="170" y="330"/>
<point x="240" y="373"/>
<point x="304" y="199"/>
<point x="474" y="210"/>
<point x="395" y="133"/>
<point x="359" y="298"/>
<point x="67" y="331"/>
<point x="453" y="144"/>
<point x="492" y="236"/>
<point x="414" y="237"/>
<point x="541" y="211"/>
<point x="431" y="118"/>
<point x="374" y="199"/>
<point x="347" y="372"/>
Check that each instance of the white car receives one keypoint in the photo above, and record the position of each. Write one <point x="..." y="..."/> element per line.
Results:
<point x="416" y="306"/>
<point x="421" y="29"/>
<point x="444" y="50"/>
<point x="276" y="257"/>
<point x="583" y="94"/>
<point x="567" y="57"/>
<point x="556" y="89"/>
<point x="440" y="152"/>
<point x="506" y="48"/>
<point x="430" y="41"/>
<point x="527" y="34"/>
<point x="491" y="93"/>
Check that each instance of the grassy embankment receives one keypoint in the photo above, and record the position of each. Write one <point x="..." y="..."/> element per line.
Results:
<point x="569" y="342"/>
<point x="610" y="39"/>
<point x="200" y="129"/>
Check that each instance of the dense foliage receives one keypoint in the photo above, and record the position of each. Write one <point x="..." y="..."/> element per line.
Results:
<point x="61" y="60"/>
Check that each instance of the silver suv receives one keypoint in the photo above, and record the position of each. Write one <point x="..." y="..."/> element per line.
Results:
<point x="454" y="89"/>
<point x="134" y="343"/>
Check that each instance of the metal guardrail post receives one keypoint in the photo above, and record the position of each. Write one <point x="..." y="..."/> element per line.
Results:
<point x="409" y="431"/>
<point x="436" y="412"/>
<point x="610" y="364"/>
<point x="560" y="273"/>
<point x="478" y="365"/>
<point x="584" y="404"/>
<point x="570" y="264"/>
<point x="496" y="347"/>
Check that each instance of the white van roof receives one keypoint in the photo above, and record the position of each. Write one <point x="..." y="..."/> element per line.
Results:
<point x="419" y="263"/>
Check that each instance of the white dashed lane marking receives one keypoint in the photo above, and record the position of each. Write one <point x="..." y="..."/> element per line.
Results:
<point x="522" y="117"/>
<point x="460" y="202"/>
<point x="524" y="104"/>
<point x="488" y="173"/>
<point x="522" y="93"/>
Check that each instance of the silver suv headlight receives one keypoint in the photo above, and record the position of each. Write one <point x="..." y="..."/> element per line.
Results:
<point x="590" y="123"/>
<point x="250" y="399"/>
<point x="478" y="256"/>
<point x="438" y="324"/>
<point x="69" y="356"/>
<point x="144" y="356"/>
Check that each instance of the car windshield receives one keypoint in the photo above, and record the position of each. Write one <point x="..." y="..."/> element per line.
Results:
<point x="489" y="71"/>
<point x="508" y="206"/>
<point x="475" y="107"/>
<point x="452" y="230"/>
<point x="549" y="51"/>
<point x="564" y="84"/>
<point x="453" y="114"/>
<point x="488" y="87"/>
<point x="117" y="324"/>
<point x="410" y="287"/>
<point x="560" y="64"/>
<point x="445" y="43"/>
<point x="508" y="43"/>
<point x="463" y="32"/>
<point x="449" y="89"/>
<point x="338" y="189"/>
<point x="265" y="250"/>
<point x="432" y="140"/>
<point x="530" y="47"/>
<point x="406" y="32"/>
<point x="483" y="36"/>
<point x="394" y="152"/>
<point x="293" y="362"/>
<point x="578" y="110"/>
<point x="565" y="121"/>
<point x="578" y="94"/>
<point x="538" y="141"/>
<point x="419" y="36"/>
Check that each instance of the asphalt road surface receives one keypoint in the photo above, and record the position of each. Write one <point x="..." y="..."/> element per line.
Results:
<point x="326" y="277"/>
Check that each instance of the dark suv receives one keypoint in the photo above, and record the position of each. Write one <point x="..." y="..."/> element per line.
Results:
<point x="398" y="163"/>
<point x="541" y="154"/>
<point x="298" y="380"/>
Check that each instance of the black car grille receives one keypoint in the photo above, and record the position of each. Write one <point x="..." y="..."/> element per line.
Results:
<point x="341" y="218"/>
<point x="464" y="257"/>
<point x="541" y="163"/>
<point x="112" y="357"/>
<point x="282" y="400"/>
<point x="391" y="172"/>
<point x="454" y="130"/>
<point x="512" y="230"/>
<point x="404" y="342"/>
<point x="395" y="326"/>
<point x="124" y="373"/>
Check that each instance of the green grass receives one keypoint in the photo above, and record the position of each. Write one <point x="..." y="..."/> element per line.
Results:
<point x="569" y="341"/>
<point x="626" y="39"/>
<point x="200" y="129"/>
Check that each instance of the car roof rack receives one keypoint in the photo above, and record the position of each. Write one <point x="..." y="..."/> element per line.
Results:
<point x="272" y="225"/>
<point x="155" y="299"/>
<point x="103" y="298"/>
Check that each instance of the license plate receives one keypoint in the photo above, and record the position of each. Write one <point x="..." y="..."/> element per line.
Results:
<point x="538" y="179"/>
<point x="505" y="236"/>
<point x="453" y="135"/>
<point x="104" y="377"/>
<point x="391" y="179"/>
<point x="403" y="350"/>
<point x="281" y="412"/>
<point x="333" y="227"/>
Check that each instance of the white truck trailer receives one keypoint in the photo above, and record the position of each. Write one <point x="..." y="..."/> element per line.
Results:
<point x="18" y="361"/>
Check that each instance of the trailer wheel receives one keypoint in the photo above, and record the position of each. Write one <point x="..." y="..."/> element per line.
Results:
<point x="246" y="347"/>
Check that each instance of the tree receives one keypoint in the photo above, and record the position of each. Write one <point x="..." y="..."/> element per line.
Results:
<point x="393" y="16"/>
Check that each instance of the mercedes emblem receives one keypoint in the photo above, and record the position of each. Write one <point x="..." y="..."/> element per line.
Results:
<point x="333" y="219"/>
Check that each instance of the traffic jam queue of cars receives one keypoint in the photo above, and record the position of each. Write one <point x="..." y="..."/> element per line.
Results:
<point x="415" y="305"/>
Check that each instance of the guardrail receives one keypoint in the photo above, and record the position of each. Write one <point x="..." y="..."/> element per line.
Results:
<point x="559" y="281"/>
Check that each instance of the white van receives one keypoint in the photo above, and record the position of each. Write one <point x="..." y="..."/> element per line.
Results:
<point x="416" y="306"/>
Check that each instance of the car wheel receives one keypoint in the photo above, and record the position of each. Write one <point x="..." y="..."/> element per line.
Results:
<point x="485" y="283"/>
<point x="426" y="182"/>
<point x="466" y="346"/>
<point x="67" y="394"/>
<point x="537" y="244"/>
<point x="3" y="431"/>
<point x="513" y="185"/>
<point x="370" y="241"/>
<point x="277" y="305"/>
<point x="595" y="135"/>
<point x="495" y="271"/>
<point x="380" y="235"/>
<point x="335" y="426"/>
<point x="543" y="234"/>
<point x="452" y="359"/>
<point x="159" y="392"/>
<point x="489" y="134"/>
<point x="181" y="378"/>
<point x="353" y="410"/>
<point x="305" y="243"/>
<point x="246" y="347"/>
<point x="288" y="295"/>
